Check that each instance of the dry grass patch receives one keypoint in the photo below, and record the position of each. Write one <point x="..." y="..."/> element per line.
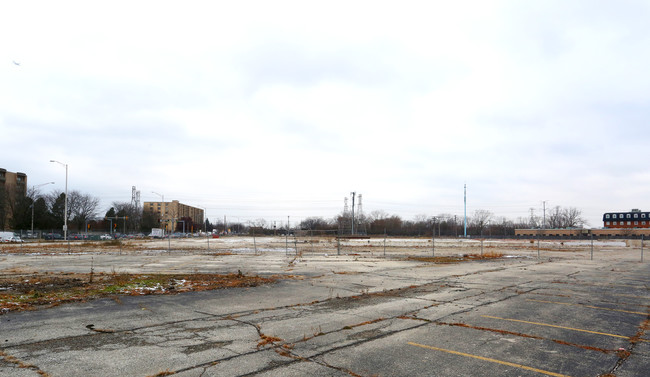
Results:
<point x="458" y="258"/>
<point x="29" y="292"/>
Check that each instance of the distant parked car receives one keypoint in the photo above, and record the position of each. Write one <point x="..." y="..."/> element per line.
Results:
<point x="105" y="237"/>
<point x="9" y="237"/>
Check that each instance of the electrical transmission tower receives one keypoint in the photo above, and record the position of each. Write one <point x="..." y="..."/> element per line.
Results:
<point x="361" y="220"/>
<point x="135" y="198"/>
<point x="135" y="206"/>
<point x="352" y="221"/>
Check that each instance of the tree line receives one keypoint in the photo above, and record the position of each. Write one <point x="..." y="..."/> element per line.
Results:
<point x="46" y="212"/>
<point x="480" y="223"/>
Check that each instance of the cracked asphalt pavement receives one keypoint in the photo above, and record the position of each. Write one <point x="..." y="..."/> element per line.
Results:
<point x="347" y="315"/>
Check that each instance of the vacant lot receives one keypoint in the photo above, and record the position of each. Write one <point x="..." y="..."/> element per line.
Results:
<point x="277" y="306"/>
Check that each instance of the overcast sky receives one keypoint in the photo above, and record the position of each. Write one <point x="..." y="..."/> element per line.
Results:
<point x="268" y="109"/>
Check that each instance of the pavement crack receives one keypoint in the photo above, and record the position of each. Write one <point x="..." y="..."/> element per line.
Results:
<point x="265" y="339"/>
<point x="21" y="364"/>
<point x="523" y="335"/>
<point x="625" y="353"/>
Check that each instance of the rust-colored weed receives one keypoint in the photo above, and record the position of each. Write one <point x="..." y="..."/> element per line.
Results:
<point x="266" y="339"/>
<point x="22" y="364"/>
<point x="162" y="374"/>
<point x="505" y="332"/>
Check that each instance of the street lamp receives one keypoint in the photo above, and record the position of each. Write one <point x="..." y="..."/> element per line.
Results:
<point x="65" y="214"/>
<point x="33" y="202"/>
<point x="162" y="209"/>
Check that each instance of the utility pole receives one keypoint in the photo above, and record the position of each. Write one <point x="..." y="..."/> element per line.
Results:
<point x="465" y="199"/>
<point x="544" y="218"/>
<point x="65" y="210"/>
<point x="353" y="194"/>
<point x="286" y="238"/>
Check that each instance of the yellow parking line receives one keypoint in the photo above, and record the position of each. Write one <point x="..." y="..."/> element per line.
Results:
<point x="488" y="359"/>
<point x="626" y="295"/>
<point x="556" y="326"/>
<point x="605" y="293"/>
<point x="599" y="285"/>
<point x="588" y="306"/>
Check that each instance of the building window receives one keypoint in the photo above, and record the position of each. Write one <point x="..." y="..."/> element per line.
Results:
<point x="629" y="223"/>
<point x="636" y="215"/>
<point x="607" y="216"/>
<point x="636" y="223"/>
<point x="643" y="215"/>
<point x="629" y="216"/>
<point x="642" y="222"/>
<point x="607" y="223"/>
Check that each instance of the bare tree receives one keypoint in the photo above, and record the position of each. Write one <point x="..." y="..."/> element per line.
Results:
<point x="573" y="218"/>
<point x="316" y="223"/>
<point x="480" y="219"/>
<point x="82" y="208"/>
<point x="259" y="223"/>
<point x="570" y="217"/>
<point x="391" y="225"/>
<point x="378" y="215"/>
<point x="128" y="210"/>
<point x="421" y="223"/>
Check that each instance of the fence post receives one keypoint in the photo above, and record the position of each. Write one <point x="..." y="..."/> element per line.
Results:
<point x="642" y="248"/>
<point x="254" y="242"/>
<point x="481" y="247"/>
<point x="433" y="241"/>
<point x="338" y="243"/>
<point x="384" y="242"/>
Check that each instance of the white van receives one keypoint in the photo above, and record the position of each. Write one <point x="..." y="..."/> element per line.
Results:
<point x="9" y="237"/>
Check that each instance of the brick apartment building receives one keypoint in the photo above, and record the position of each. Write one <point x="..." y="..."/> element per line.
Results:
<point x="12" y="186"/>
<point x="172" y="212"/>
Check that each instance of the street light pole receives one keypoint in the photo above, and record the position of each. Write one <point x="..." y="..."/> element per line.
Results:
<point x="65" y="214"/>
<point x="33" y="201"/>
